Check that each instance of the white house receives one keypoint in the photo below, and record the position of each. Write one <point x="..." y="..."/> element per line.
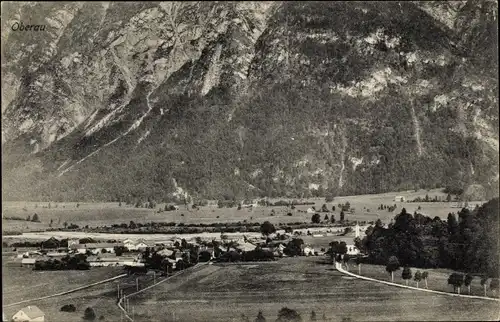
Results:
<point x="352" y="250"/>
<point x="29" y="314"/>
<point x="399" y="199"/>
<point x="130" y="244"/>
<point x="310" y="211"/>
<point x="26" y="262"/>
<point x="308" y="251"/>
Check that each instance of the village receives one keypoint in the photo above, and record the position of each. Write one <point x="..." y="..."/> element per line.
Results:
<point x="130" y="252"/>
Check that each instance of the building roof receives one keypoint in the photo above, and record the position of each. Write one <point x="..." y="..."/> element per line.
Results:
<point x="28" y="261"/>
<point x="95" y="245"/>
<point x="32" y="312"/>
<point x="246" y="247"/>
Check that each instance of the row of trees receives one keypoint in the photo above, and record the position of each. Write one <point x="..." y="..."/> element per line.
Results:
<point x="77" y="262"/>
<point x="316" y="218"/>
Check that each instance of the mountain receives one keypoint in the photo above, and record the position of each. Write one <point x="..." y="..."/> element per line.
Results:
<point x="239" y="99"/>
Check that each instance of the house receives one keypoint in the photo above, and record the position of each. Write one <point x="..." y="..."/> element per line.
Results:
<point x="166" y="252"/>
<point x="29" y="314"/>
<point x="56" y="254"/>
<point x="311" y="211"/>
<point x="130" y="244"/>
<point x="399" y="199"/>
<point x="245" y="247"/>
<point x="308" y="251"/>
<point x="352" y="250"/>
<point x="28" y="262"/>
<point x="141" y="245"/>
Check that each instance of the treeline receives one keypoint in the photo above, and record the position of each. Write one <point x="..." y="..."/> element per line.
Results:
<point x="468" y="243"/>
<point x="35" y="218"/>
<point x="77" y="262"/>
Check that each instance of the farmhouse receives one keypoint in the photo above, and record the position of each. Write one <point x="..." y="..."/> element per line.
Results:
<point x="135" y="245"/>
<point x="28" y="262"/>
<point x="29" y="314"/>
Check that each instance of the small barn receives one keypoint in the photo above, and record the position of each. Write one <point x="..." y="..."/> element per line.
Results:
<point x="28" y="262"/>
<point x="29" y="314"/>
<point x="399" y="199"/>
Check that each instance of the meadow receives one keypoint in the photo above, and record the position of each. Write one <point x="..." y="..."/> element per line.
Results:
<point x="101" y="214"/>
<point x="229" y="292"/>
<point x="438" y="278"/>
<point x="102" y="298"/>
<point x="22" y="283"/>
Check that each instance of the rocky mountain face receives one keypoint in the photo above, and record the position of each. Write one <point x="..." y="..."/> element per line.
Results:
<point x="239" y="99"/>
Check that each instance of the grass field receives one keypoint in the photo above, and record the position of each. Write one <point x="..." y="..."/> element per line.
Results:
<point x="438" y="278"/>
<point x="226" y="292"/>
<point x="22" y="283"/>
<point x="100" y="214"/>
<point x="102" y="298"/>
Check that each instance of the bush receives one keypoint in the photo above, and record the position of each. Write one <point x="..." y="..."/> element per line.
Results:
<point x="89" y="314"/>
<point x="68" y="308"/>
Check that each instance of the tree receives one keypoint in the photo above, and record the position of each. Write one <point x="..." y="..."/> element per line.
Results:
<point x="494" y="285"/>
<point x="316" y="219"/>
<point x="406" y="275"/>
<point x="468" y="280"/>
<point x="65" y="225"/>
<point x="484" y="282"/>
<point x="313" y="316"/>
<point x="456" y="280"/>
<point x="448" y="198"/>
<point x="288" y="315"/>
<point x="260" y="317"/>
<point x="324" y="208"/>
<point x="89" y="314"/>
<point x="342" y="216"/>
<point x="425" y="276"/>
<point x="392" y="266"/>
<point x="332" y="218"/>
<point x="417" y="277"/>
<point x="68" y="308"/>
<point x="378" y="223"/>
<point x="452" y="224"/>
<point x="346" y="260"/>
<point x="358" y="262"/>
<point x="267" y="228"/>
<point x="28" y="218"/>
<point x="333" y="208"/>
<point x="326" y="218"/>
<point x="104" y="251"/>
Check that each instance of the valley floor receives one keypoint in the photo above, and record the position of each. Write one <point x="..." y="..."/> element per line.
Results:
<point x="221" y="292"/>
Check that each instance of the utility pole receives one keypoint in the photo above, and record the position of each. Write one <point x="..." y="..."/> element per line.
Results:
<point x="137" y="283"/>
<point x="118" y="286"/>
<point x="154" y="277"/>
